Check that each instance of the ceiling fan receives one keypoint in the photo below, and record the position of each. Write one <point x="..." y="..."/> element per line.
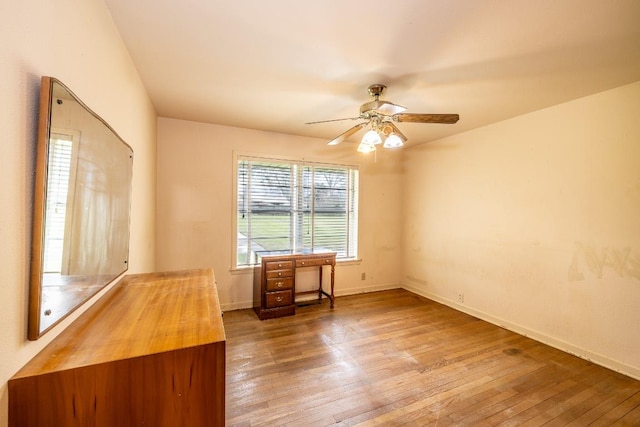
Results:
<point x="381" y="115"/>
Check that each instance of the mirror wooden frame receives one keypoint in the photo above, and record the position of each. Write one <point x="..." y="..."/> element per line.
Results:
<point x="69" y="291"/>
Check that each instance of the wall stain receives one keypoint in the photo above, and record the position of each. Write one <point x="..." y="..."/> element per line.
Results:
<point x="596" y="262"/>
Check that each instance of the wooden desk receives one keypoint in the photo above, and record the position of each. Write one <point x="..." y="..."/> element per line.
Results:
<point x="274" y="282"/>
<point x="150" y="352"/>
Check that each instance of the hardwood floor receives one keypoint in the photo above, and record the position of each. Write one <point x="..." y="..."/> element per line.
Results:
<point x="395" y="358"/>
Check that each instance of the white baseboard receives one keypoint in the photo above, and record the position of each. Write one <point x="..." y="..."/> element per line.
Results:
<point x="591" y="356"/>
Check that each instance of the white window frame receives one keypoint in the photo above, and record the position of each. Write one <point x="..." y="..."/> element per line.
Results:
<point x="237" y="156"/>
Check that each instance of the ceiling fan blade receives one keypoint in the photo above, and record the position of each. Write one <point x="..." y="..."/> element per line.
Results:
<point x="337" y="140"/>
<point x="426" y="118"/>
<point x="332" y="120"/>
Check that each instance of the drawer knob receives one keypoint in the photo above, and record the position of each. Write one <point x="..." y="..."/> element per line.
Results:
<point x="302" y="263"/>
<point x="279" y="274"/>
<point x="279" y="299"/>
<point x="327" y="261"/>
<point x="279" y="284"/>
<point x="279" y="265"/>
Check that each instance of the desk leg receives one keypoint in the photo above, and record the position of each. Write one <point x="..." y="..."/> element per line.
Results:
<point x="321" y="289"/>
<point x="333" y="271"/>
<point x="320" y="284"/>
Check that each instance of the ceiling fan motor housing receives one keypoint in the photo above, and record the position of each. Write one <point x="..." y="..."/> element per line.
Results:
<point x="384" y="108"/>
<point x="377" y="107"/>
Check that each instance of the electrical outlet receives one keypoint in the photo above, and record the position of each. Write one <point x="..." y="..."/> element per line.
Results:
<point x="460" y="297"/>
<point x="363" y="276"/>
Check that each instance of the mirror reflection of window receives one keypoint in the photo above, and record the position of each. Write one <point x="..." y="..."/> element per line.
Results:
<point x="59" y="179"/>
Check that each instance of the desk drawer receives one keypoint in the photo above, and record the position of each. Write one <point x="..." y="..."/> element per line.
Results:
<point x="279" y="284"/>
<point x="279" y="274"/>
<point x="314" y="262"/>
<point x="279" y="298"/>
<point x="279" y="265"/>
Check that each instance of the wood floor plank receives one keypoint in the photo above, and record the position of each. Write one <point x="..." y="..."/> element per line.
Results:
<point x="395" y="358"/>
<point x="628" y="406"/>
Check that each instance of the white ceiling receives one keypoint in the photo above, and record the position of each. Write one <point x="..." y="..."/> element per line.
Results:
<point x="275" y="64"/>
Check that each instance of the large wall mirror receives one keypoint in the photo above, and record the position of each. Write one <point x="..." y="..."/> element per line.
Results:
<point x="82" y="205"/>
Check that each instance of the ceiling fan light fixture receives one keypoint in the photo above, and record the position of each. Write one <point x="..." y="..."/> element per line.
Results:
<point x="365" y="147"/>
<point x="381" y="115"/>
<point x="371" y="138"/>
<point x="393" y="141"/>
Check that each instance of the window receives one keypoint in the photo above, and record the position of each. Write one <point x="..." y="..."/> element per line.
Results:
<point x="285" y="206"/>
<point x="60" y="169"/>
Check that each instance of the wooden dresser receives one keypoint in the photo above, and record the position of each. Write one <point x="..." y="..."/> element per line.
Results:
<point x="149" y="352"/>
<point x="274" y="282"/>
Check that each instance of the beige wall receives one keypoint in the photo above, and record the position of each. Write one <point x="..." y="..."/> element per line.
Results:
<point x="536" y="220"/>
<point x="195" y="196"/>
<point x="77" y="42"/>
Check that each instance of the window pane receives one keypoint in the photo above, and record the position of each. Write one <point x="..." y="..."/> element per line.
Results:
<point x="330" y="213"/>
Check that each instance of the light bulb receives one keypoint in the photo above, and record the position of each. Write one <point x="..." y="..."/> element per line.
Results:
<point x="371" y="138"/>
<point x="393" y="141"/>
<point x="365" y="147"/>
